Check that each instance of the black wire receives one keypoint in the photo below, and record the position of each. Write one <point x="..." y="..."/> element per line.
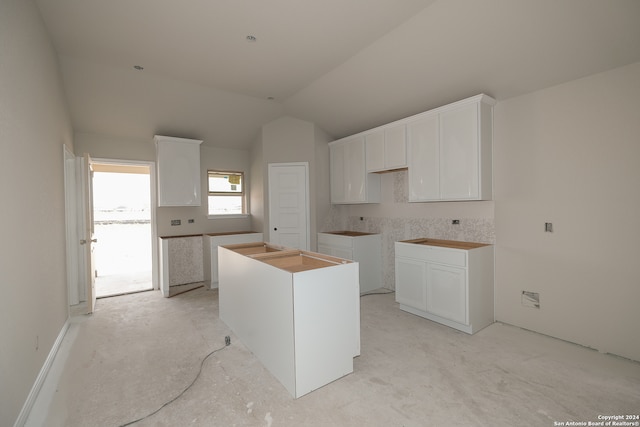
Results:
<point x="178" y="396"/>
<point x="377" y="293"/>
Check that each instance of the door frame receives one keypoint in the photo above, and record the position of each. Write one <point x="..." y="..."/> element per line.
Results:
<point x="88" y="232"/>
<point x="307" y="207"/>
<point x="153" y="201"/>
<point x="71" y="205"/>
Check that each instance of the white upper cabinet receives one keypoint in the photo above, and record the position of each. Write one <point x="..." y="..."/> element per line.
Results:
<point x="424" y="164"/>
<point x="386" y="149"/>
<point x="178" y="163"/>
<point x="450" y="152"/>
<point x="350" y="182"/>
<point x="374" y="143"/>
<point x="459" y="153"/>
<point x="447" y="152"/>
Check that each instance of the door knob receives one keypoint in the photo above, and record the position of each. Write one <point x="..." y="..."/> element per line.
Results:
<point x="275" y="228"/>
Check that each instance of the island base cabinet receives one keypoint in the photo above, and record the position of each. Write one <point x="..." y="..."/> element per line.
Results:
<point x="303" y="326"/>
<point x="453" y="287"/>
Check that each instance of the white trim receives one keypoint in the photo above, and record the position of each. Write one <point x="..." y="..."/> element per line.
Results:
<point x="229" y="216"/>
<point x="71" y="225"/>
<point x="34" y="394"/>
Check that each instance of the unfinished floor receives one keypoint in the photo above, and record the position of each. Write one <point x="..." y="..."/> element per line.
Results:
<point x="139" y="351"/>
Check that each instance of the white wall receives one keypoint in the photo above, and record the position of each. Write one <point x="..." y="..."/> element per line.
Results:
<point x="569" y="155"/>
<point x="34" y="125"/>
<point x="288" y="139"/>
<point x="257" y="185"/>
<point x="101" y="146"/>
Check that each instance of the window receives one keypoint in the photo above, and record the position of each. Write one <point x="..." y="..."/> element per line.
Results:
<point x="226" y="193"/>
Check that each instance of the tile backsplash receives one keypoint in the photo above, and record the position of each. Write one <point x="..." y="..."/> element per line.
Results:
<point x="395" y="229"/>
<point x="403" y="225"/>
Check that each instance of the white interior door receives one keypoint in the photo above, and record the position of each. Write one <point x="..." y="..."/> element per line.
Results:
<point x="88" y="238"/>
<point x="289" y="205"/>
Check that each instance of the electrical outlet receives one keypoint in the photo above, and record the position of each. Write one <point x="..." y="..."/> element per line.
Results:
<point x="548" y="227"/>
<point x="191" y="221"/>
<point x="176" y="222"/>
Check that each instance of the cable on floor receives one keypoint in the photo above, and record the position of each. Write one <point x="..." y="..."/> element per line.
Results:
<point x="377" y="293"/>
<point x="227" y="343"/>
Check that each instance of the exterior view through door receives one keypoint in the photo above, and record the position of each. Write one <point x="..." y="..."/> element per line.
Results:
<point x="122" y="222"/>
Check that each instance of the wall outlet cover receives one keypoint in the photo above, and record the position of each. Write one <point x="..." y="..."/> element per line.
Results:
<point x="531" y="299"/>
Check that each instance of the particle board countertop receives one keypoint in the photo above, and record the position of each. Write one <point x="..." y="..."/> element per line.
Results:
<point x="455" y="244"/>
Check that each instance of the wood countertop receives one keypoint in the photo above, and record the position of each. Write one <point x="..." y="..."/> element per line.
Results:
<point x="183" y="235"/>
<point x="349" y="233"/>
<point x="224" y="233"/>
<point x="446" y="243"/>
<point x="229" y="233"/>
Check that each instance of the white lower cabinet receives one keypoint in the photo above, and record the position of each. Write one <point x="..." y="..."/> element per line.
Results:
<point x="447" y="292"/>
<point x="445" y="281"/>
<point x="411" y="283"/>
<point x="364" y="248"/>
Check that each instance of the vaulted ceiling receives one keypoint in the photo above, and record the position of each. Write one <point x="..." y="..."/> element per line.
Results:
<point x="346" y="65"/>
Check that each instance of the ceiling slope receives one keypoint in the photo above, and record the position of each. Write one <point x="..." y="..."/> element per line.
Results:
<point x="346" y="65"/>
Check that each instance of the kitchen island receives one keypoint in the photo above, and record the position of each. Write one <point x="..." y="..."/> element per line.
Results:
<point x="297" y="311"/>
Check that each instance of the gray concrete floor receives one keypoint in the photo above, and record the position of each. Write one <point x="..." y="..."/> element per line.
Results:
<point x="122" y="258"/>
<point x="138" y="351"/>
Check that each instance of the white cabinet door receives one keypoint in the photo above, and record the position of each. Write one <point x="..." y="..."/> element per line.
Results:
<point x="375" y="151"/>
<point x="447" y="292"/>
<point x="411" y="283"/>
<point x="350" y="182"/>
<point x="337" y="152"/>
<point x="395" y="147"/>
<point x="459" y="156"/>
<point x="354" y="169"/>
<point x="386" y="149"/>
<point x="424" y="159"/>
<point x="178" y="163"/>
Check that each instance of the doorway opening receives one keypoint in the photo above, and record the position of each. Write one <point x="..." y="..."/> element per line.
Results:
<point x="123" y="228"/>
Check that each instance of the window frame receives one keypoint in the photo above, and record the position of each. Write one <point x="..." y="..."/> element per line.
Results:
<point x="242" y="194"/>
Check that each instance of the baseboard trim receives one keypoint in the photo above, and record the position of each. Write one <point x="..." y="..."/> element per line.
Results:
<point x="44" y="371"/>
